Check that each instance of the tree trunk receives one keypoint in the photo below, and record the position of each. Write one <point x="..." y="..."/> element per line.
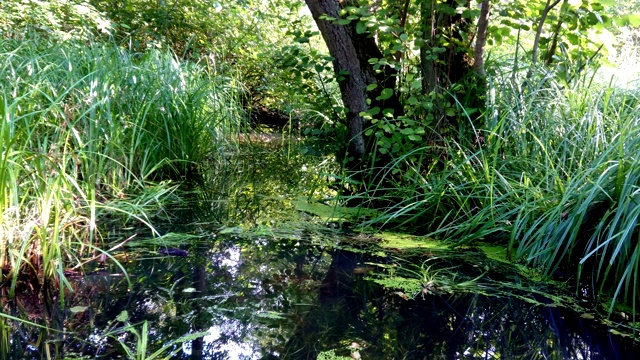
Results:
<point x="346" y="63"/>
<point x="443" y="60"/>
<point x="351" y="52"/>
<point x="555" y="36"/>
<point x="427" y="59"/>
<point x="536" y="42"/>
<point x="481" y="37"/>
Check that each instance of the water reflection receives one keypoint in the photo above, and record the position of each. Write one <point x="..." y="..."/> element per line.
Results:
<point x="281" y="293"/>
<point x="290" y="300"/>
<point x="364" y="321"/>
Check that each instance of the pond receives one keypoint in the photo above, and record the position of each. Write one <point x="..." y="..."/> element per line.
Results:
<point x="241" y="273"/>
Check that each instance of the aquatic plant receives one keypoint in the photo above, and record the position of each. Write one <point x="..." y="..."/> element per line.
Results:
<point x="554" y="177"/>
<point x="91" y="133"/>
<point x="140" y="333"/>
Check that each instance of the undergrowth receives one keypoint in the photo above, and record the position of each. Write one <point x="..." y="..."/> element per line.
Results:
<point x="556" y="180"/>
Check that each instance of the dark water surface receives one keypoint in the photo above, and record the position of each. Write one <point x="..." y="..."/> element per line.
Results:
<point x="290" y="287"/>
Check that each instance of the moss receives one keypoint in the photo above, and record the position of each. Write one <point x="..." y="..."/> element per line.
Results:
<point x="399" y="241"/>
<point x="330" y="213"/>
<point x="409" y="288"/>
<point x="331" y="355"/>
<point x="498" y="253"/>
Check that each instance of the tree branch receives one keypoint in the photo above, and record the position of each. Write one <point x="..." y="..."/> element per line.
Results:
<point x="536" y="42"/>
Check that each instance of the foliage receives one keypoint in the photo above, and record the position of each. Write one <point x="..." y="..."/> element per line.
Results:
<point x="91" y="134"/>
<point x="555" y="179"/>
<point x="182" y="25"/>
<point x="425" y="57"/>
<point x="411" y="71"/>
<point x="58" y="20"/>
<point x="331" y="355"/>
<point x="545" y="162"/>
<point x="519" y="167"/>
<point x="141" y="350"/>
<point x="251" y="39"/>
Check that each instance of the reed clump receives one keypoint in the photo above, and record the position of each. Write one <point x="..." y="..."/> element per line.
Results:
<point x="89" y="132"/>
<point x="556" y="180"/>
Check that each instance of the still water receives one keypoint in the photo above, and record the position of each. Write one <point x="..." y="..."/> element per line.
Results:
<point x="240" y="274"/>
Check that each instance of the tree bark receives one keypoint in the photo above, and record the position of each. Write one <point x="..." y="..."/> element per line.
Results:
<point x="351" y="52"/>
<point x="427" y="59"/>
<point x="346" y="63"/>
<point x="442" y="30"/>
<point x="481" y="37"/>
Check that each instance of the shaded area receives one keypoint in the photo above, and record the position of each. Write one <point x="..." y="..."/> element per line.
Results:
<point x="246" y="294"/>
<point x="356" y="318"/>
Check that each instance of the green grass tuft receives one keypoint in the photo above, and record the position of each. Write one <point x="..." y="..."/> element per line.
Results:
<point x="91" y="132"/>
<point x="556" y="182"/>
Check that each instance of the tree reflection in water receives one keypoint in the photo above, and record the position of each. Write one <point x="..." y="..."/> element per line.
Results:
<point x="383" y="325"/>
<point x="265" y="298"/>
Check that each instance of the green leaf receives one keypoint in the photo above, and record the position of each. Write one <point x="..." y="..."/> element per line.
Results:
<point x="123" y="316"/>
<point x="450" y="111"/>
<point x="374" y="111"/>
<point x="404" y="37"/>
<point x="385" y="94"/>
<point x="365" y="115"/>
<point x="634" y="20"/>
<point x="343" y="22"/>
<point x="371" y="87"/>
<point x="78" y="309"/>
<point x="361" y="27"/>
<point x="414" y="137"/>
<point x="573" y="39"/>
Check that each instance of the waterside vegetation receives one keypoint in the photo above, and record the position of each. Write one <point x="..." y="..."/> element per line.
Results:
<point x="93" y="134"/>
<point x="112" y="115"/>
<point x="556" y="182"/>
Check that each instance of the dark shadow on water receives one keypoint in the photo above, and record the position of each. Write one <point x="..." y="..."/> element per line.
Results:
<point x="375" y="324"/>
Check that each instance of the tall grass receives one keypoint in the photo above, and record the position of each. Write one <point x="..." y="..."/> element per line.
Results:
<point x="557" y="180"/>
<point x="89" y="132"/>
